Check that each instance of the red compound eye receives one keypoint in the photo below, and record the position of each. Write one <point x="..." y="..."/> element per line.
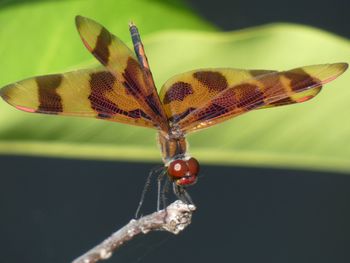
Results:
<point x="187" y="180"/>
<point x="177" y="168"/>
<point x="193" y="166"/>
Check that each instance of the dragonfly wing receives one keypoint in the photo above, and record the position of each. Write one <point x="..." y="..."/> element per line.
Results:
<point x="192" y="90"/>
<point x="92" y="93"/>
<point x="264" y="90"/>
<point x="123" y="64"/>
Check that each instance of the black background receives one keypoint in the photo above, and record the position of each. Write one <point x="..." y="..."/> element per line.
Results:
<point x="229" y="15"/>
<point x="244" y="215"/>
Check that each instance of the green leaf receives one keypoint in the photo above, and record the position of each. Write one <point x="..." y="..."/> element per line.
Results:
<point x="312" y="135"/>
<point x="41" y="37"/>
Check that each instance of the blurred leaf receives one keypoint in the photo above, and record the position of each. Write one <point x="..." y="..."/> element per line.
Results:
<point x="313" y="135"/>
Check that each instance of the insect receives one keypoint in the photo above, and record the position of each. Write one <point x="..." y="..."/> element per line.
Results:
<point x="122" y="89"/>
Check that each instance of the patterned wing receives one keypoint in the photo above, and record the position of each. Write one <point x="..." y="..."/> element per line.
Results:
<point x="264" y="90"/>
<point x="192" y="90"/>
<point x="88" y="93"/>
<point x="122" y="63"/>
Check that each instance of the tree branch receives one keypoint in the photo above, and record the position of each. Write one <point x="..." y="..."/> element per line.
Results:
<point x="175" y="218"/>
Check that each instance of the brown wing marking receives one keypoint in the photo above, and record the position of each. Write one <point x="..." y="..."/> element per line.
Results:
<point x="267" y="90"/>
<point x="296" y="81"/>
<point x="101" y="50"/>
<point x="48" y="98"/>
<point x="102" y="97"/>
<point x="177" y="92"/>
<point x="123" y="64"/>
<point x="186" y="92"/>
<point x="89" y="93"/>
<point x="213" y="80"/>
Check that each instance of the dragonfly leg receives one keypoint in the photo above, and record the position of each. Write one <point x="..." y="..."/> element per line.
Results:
<point x="160" y="192"/>
<point x="165" y="190"/>
<point x="182" y="194"/>
<point x="146" y="187"/>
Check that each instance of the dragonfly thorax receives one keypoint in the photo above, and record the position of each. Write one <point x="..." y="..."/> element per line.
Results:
<point x="183" y="171"/>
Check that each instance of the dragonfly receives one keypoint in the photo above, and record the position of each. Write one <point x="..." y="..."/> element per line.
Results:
<point x="121" y="89"/>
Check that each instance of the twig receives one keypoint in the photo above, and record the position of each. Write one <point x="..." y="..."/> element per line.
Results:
<point x="175" y="218"/>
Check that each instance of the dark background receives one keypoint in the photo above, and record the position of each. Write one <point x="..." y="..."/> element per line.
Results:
<point x="244" y="215"/>
<point x="229" y="15"/>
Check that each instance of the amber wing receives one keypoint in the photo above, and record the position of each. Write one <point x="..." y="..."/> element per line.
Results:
<point x="200" y="99"/>
<point x="123" y="64"/>
<point x="89" y="93"/>
<point x="186" y="92"/>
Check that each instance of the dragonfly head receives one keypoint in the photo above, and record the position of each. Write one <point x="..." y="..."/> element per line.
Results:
<point x="184" y="171"/>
